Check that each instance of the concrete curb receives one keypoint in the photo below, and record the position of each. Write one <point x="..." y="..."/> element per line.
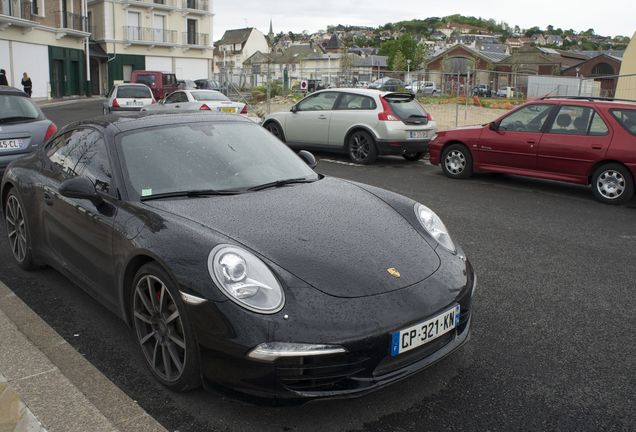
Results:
<point x="52" y="387"/>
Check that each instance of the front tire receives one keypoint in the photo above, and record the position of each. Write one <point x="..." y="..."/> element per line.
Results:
<point x="163" y="330"/>
<point x="612" y="183"/>
<point x="361" y="148"/>
<point x="275" y="129"/>
<point x="457" y="162"/>
<point x="18" y="232"/>
<point x="413" y="156"/>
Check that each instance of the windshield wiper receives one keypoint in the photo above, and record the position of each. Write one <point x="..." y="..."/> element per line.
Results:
<point x="280" y="183"/>
<point x="16" y="118"/>
<point x="191" y="194"/>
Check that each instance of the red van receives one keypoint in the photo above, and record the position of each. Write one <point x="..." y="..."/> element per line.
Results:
<point x="160" y="83"/>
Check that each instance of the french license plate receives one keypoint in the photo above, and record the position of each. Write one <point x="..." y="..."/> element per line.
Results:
<point x="228" y="110"/>
<point x="134" y="104"/>
<point x="424" y="332"/>
<point x="11" y="144"/>
<point x="418" y="134"/>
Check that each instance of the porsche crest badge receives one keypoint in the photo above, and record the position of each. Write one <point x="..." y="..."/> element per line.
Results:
<point x="393" y="272"/>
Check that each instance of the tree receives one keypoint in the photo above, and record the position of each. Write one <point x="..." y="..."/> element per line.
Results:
<point x="533" y="31"/>
<point x="399" y="62"/>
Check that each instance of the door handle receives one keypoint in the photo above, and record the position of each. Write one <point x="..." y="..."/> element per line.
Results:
<point x="177" y="106"/>
<point x="322" y="117"/>
<point x="48" y="198"/>
<point x="532" y="142"/>
<point x="597" y="147"/>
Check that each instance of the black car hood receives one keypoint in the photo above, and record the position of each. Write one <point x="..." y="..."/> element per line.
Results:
<point x="332" y="234"/>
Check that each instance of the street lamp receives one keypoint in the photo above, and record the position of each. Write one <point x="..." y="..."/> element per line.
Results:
<point x="408" y="70"/>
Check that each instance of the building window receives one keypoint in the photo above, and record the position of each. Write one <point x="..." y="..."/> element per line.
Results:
<point x="602" y="69"/>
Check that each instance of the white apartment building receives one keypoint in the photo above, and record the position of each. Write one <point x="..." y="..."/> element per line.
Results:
<point x="162" y="35"/>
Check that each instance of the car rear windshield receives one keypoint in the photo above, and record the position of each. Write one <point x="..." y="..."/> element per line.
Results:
<point x="146" y="79"/>
<point x="208" y="96"/>
<point x="407" y="109"/>
<point x="206" y="155"/>
<point x="15" y="108"/>
<point x="134" y="92"/>
<point x="626" y="118"/>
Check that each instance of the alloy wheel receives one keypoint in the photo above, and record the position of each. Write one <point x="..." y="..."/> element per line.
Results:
<point x="359" y="147"/>
<point x="159" y="328"/>
<point x="16" y="228"/>
<point x="455" y="162"/>
<point x="610" y="184"/>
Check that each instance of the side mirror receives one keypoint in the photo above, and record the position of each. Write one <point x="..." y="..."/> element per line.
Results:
<point x="494" y="126"/>
<point x="294" y="108"/>
<point x="82" y="188"/>
<point x="309" y="158"/>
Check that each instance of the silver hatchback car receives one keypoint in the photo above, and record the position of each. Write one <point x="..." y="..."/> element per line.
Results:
<point x="23" y="126"/>
<point x="363" y="123"/>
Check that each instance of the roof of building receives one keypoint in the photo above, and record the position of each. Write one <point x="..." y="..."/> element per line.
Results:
<point x="235" y="36"/>
<point x="492" y="57"/>
<point x="370" y="61"/>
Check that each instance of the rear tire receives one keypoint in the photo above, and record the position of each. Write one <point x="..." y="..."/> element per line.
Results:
<point x="275" y="129"/>
<point x="612" y="183"/>
<point x="457" y="162"/>
<point x="163" y="329"/>
<point x="18" y="232"/>
<point x="413" y="156"/>
<point x="361" y="148"/>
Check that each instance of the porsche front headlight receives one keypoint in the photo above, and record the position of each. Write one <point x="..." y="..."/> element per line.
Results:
<point x="434" y="226"/>
<point x="245" y="279"/>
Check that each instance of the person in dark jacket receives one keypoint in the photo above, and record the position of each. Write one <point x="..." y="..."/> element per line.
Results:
<point x="26" y="84"/>
<point x="3" y="78"/>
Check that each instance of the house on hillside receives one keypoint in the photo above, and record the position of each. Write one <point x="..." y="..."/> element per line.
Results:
<point x="236" y="46"/>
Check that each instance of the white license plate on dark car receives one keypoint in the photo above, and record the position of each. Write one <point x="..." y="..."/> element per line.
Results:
<point x="11" y="144"/>
<point x="424" y="332"/>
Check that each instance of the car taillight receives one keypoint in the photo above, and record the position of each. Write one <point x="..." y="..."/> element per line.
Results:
<point x="387" y="113"/>
<point x="115" y="103"/>
<point x="429" y="116"/>
<point x="244" y="110"/>
<point x="50" y="131"/>
<point x="204" y="107"/>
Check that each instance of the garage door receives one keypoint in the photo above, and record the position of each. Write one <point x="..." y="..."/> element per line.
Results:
<point x="189" y="68"/>
<point x="160" y="64"/>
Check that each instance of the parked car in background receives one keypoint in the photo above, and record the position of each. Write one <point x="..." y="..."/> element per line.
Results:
<point x="482" y="90"/>
<point x="577" y="140"/>
<point x="362" y="84"/>
<point x="127" y="97"/>
<point x="363" y="123"/>
<point x="426" y="88"/>
<point x="186" y="85"/>
<point x="205" y="100"/>
<point x="208" y="84"/>
<point x="23" y="125"/>
<point x="235" y="262"/>
<point x="160" y="83"/>
<point x="387" y="84"/>
<point x="508" y="92"/>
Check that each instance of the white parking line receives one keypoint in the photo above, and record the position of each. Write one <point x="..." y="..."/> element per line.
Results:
<point x="340" y="162"/>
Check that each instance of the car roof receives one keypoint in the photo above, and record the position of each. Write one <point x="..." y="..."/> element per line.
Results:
<point x="141" y="120"/>
<point x="356" y="90"/>
<point x="8" y="90"/>
<point x="588" y="101"/>
<point x="131" y="85"/>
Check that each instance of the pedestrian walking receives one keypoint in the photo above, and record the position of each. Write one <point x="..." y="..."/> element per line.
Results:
<point x="27" y="84"/>
<point x="3" y="77"/>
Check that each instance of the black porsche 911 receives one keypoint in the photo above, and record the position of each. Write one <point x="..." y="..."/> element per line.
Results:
<point x="234" y="261"/>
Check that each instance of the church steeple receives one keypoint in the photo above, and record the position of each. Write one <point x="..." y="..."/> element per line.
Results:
<point x="270" y="35"/>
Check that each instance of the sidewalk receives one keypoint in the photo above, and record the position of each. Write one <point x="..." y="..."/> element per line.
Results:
<point x="45" y="103"/>
<point x="45" y="385"/>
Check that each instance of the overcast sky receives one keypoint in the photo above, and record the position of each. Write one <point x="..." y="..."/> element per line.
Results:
<point x="608" y="19"/>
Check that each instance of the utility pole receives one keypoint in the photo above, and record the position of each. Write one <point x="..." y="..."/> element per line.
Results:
<point x="84" y="19"/>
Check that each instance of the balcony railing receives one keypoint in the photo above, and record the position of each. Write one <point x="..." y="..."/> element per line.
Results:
<point x="167" y="4"/>
<point x="196" y="39"/>
<point x="200" y="5"/>
<point x="71" y="21"/>
<point x="149" y="35"/>
<point x="27" y="10"/>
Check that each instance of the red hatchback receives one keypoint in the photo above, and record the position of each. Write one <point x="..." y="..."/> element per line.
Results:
<point x="571" y="139"/>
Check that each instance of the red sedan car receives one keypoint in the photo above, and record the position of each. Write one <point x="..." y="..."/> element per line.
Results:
<point x="571" y="139"/>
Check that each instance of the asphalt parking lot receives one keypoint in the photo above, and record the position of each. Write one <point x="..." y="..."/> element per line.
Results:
<point x="552" y="347"/>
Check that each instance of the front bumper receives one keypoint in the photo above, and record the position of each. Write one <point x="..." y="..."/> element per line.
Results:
<point x="390" y="147"/>
<point x="362" y="326"/>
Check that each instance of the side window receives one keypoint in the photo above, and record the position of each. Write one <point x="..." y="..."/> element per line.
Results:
<point x="320" y="101"/>
<point x="527" y="119"/>
<point x="169" y="79"/>
<point x="356" y="102"/>
<point x="176" y="97"/>
<point x="626" y="118"/>
<point x="82" y="152"/>
<point x="578" y="120"/>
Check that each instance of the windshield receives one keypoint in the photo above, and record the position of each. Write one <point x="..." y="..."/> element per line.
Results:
<point x="206" y="156"/>
<point x="146" y="79"/>
<point x="17" y="108"/>
<point x="208" y="96"/>
<point x="133" y="92"/>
